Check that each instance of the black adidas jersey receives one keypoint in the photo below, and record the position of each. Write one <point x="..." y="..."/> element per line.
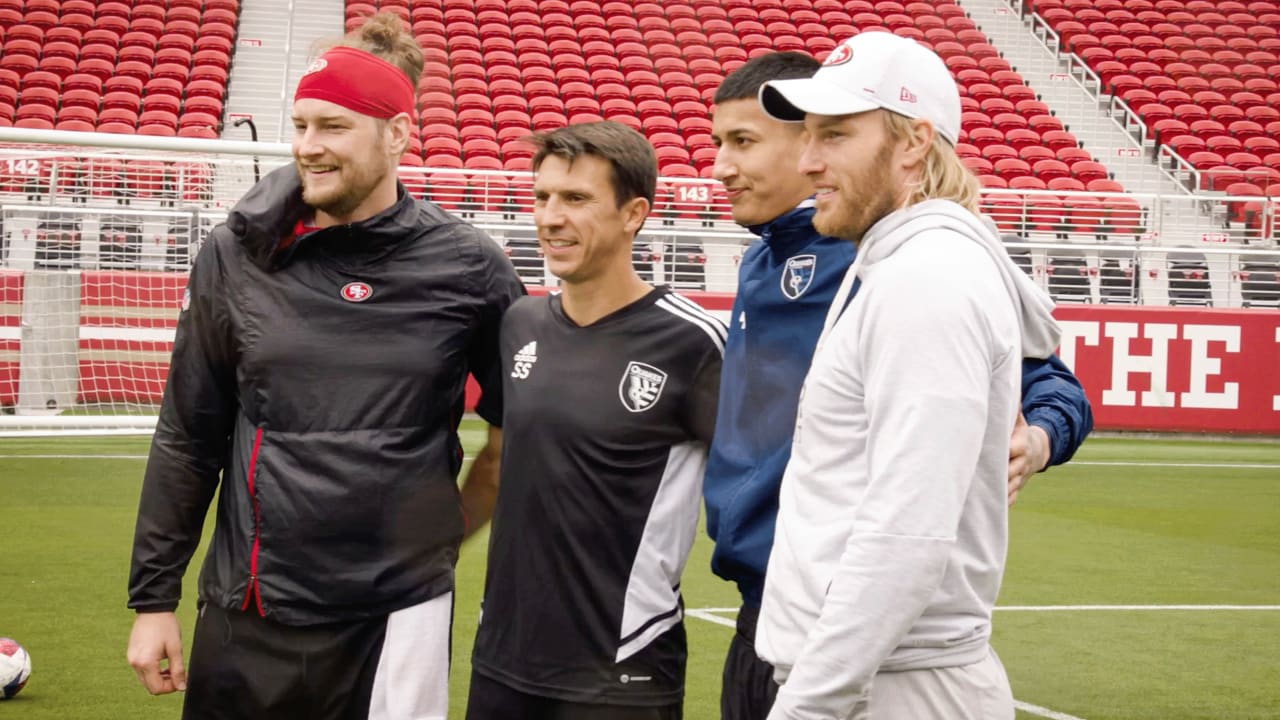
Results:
<point x="605" y="433"/>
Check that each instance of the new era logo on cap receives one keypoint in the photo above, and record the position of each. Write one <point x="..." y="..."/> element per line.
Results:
<point x="907" y="96"/>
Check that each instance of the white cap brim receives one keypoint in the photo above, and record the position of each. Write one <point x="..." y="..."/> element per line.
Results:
<point x="791" y="100"/>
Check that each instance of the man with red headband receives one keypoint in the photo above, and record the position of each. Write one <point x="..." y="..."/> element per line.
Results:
<point x="318" y="370"/>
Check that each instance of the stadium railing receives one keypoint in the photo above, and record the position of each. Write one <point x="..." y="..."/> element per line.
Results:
<point x="97" y="232"/>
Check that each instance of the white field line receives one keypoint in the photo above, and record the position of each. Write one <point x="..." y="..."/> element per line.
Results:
<point x="1238" y="466"/>
<point x="1133" y="608"/>
<point x="1043" y="711"/>
<point x="709" y="614"/>
<point x="4" y="456"/>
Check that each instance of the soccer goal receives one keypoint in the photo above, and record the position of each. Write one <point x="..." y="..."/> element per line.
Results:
<point x="85" y="350"/>
<point x="97" y="233"/>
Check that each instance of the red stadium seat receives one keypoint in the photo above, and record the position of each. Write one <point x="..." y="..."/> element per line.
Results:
<point x="1206" y="129"/>
<point x="205" y="88"/>
<point x="1188" y="112"/>
<point x="19" y="63"/>
<point x="1219" y="178"/>
<point x="1057" y="139"/>
<point x="1072" y="155"/>
<point x="1088" y="171"/>
<point x="1243" y="160"/>
<point x="1245" y="129"/>
<point x="1010" y="168"/>
<point x="1262" y="145"/>
<point x="160" y="101"/>
<point x="1170" y="128"/>
<point x="37" y="111"/>
<point x="1049" y="169"/>
<point x="42" y="79"/>
<point x="1035" y="153"/>
<point x="39" y="96"/>
<point x="1205" y="160"/>
<point x="1224" y="144"/>
<point x="1187" y="144"/>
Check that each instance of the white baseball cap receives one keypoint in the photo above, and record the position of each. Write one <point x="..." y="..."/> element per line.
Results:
<point x="869" y="71"/>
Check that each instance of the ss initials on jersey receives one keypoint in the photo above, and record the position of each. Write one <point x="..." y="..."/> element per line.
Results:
<point x="523" y="362"/>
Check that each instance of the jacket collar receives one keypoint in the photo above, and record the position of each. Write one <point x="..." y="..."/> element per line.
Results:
<point x="792" y="227"/>
<point x="268" y="213"/>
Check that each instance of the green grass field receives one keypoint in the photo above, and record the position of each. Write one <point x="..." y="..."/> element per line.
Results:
<point x="1132" y="523"/>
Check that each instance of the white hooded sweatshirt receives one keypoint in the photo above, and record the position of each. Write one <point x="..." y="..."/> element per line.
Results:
<point x="893" y="519"/>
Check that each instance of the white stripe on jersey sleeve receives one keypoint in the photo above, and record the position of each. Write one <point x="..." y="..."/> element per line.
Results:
<point x="712" y="327"/>
<point x="700" y="311"/>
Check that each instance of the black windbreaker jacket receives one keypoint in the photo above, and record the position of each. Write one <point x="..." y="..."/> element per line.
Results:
<point x="324" y="383"/>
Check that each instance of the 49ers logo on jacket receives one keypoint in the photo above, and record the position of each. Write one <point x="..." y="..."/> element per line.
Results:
<point x="356" y="292"/>
<point x="641" y="386"/>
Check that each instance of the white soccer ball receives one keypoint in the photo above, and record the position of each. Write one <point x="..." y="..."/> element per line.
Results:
<point x="15" y="668"/>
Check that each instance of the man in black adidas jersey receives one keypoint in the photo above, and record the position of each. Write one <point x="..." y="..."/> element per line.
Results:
<point x="610" y="393"/>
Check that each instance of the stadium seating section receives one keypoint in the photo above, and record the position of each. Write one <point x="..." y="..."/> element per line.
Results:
<point x="498" y="69"/>
<point x="1201" y="75"/>
<point x="150" y="67"/>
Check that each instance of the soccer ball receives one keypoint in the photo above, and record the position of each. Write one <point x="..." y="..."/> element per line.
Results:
<point x="15" y="668"/>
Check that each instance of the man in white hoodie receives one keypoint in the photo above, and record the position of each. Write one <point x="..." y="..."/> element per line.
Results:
<point x="893" y="521"/>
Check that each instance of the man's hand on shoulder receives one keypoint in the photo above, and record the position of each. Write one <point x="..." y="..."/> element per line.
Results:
<point x="1028" y="454"/>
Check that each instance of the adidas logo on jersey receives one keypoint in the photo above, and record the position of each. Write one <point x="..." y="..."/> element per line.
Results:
<point x="524" y="360"/>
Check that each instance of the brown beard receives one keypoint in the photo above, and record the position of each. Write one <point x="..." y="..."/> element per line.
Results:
<point x="340" y="204"/>
<point x="879" y="200"/>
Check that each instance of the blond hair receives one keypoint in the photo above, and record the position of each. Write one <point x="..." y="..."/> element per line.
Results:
<point x="385" y="36"/>
<point x="942" y="175"/>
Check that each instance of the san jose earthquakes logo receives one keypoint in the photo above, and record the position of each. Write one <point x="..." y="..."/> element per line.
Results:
<point x="356" y="292"/>
<point x="797" y="275"/>
<point x="641" y="386"/>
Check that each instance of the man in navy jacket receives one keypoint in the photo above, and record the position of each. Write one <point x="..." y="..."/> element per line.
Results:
<point x="786" y="281"/>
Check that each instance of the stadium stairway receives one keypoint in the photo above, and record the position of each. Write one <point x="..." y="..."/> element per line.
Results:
<point x="259" y="86"/>
<point x="1099" y="134"/>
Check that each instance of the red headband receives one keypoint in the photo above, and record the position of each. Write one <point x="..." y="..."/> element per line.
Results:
<point x="357" y="81"/>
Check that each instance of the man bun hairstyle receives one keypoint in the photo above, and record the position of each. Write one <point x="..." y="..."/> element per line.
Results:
<point x="385" y="36"/>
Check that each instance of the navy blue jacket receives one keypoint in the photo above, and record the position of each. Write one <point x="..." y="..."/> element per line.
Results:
<point x="786" y="282"/>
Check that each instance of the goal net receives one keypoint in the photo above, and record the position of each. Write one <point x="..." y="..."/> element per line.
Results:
<point x="86" y="351"/>
<point x="95" y="246"/>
